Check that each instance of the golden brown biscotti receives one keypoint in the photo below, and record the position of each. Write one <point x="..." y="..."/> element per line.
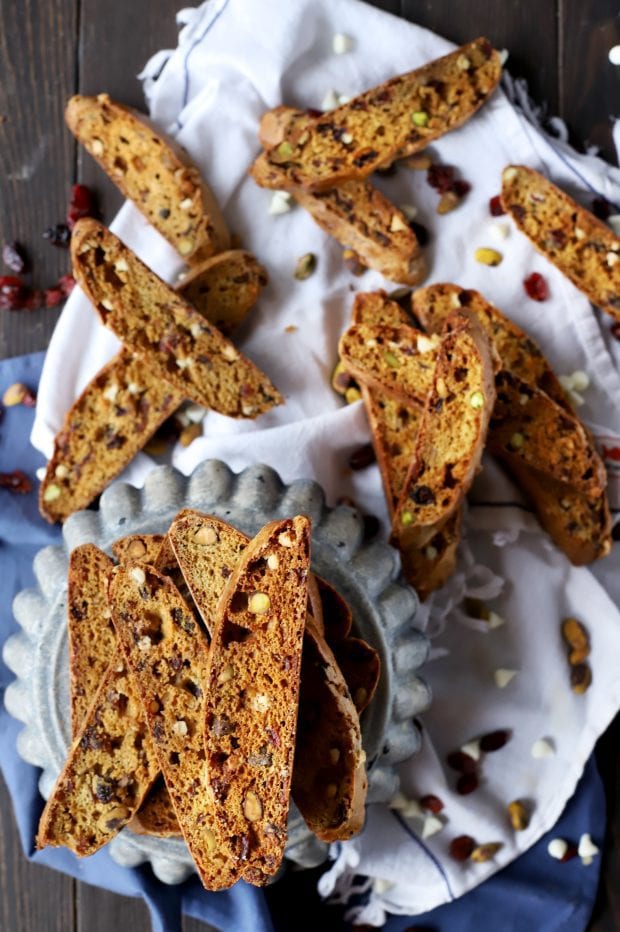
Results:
<point x="397" y="361"/>
<point x="337" y="615"/>
<point x="110" y="766"/>
<point x="168" y="654"/>
<point x="358" y="216"/>
<point x="529" y="426"/>
<point x="179" y="345"/>
<point x="252" y="692"/>
<point x="224" y="288"/>
<point x="582" y="247"/>
<point x="92" y="642"/>
<point x="519" y="354"/>
<point x="118" y="411"/>
<point x="360" y="666"/>
<point x="156" y="816"/>
<point x="329" y="777"/>
<point x="396" y="119"/>
<point x="376" y="307"/>
<point x="315" y="605"/>
<point x="143" y="547"/>
<point x="451" y="437"/>
<point x="427" y="568"/>
<point x="152" y="171"/>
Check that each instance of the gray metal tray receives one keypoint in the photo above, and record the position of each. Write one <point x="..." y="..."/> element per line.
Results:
<point x="365" y="573"/>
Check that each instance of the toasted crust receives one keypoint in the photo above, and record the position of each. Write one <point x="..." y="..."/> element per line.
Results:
<point x="224" y="288"/>
<point x="337" y="615"/>
<point x="92" y="642"/>
<point x="152" y="171"/>
<point x="158" y="632"/>
<point x="118" y="411"/>
<point x="329" y="778"/>
<point x="357" y="215"/>
<point x="110" y="767"/>
<point x="451" y="437"/>
<point x="519" y="354"/>
<point x="250" y="728"/>
<point x="582" y="247"/>
<point x="374" y="128"/>
<point x="360" y="666"/>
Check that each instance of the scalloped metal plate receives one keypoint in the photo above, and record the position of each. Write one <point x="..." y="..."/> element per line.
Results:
<point x="365" y="573"/>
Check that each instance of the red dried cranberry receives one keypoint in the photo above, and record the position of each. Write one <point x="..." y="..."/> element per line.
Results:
<point x="496" y="207"/>
<point x="615" y="330"/>
<point x="461" y="187"/>
<point x="29" y="400"/>
<point x="441" y="177"/>
<point x="432" y="803"/>
<point x="66" y="283"/>
<point x="495" y="740"/>
<point x="461" y="847"/>
<point x="467" y="783"/>
<point x="422" y="234"/>
<point x="80" y="205"/>
<point x="53" y="297"/>
<point x="13" y="293"/>
<point x="16" y="482"/>
<point x="362" y="457"/>
<point x="536" y="287"/>
<point x="33" y="301"/>
<point x="461" y="762"/>
<point x="601" y="208"/>
<point x="570" y="853"/>
<point x="13" y="257"/>
<point x="58" y="235"/>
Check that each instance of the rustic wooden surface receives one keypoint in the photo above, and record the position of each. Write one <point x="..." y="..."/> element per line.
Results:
<point x="50" y="49"/>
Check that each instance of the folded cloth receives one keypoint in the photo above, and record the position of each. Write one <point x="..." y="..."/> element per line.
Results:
<point x="534" y="885"/>
<point x="234" y="60"/>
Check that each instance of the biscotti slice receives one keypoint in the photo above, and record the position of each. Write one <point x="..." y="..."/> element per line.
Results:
<point x="376" y="307"/>
<point x="315" y="604"/>
<point x="109" y="769"/>
<point x="337" y="615"/>
<point x="360" y="666"/>
<point x="451" y="437"/>
<point x="578" y="523"/>
<point x="118" y="411"/>
<point x="427" y="568"/>
<point x="329" y="777"/>
<point x="167" y="653"/>
<point x="252" y="693"/>
<point x="156" y="816"/>
<point x="582" y="247"/>
<point x="92" y="642"/>
<point x="394" y="426"/>
<point x="179" y="345"/>
<point x="152" y="171"/>
<point x="398" y="361"/>
<point x="519" y="354"/>
<point x="391" y="121"/>
<point x="529" y="426"/>
<point x="358" y="216"/>
<point x="143" y="547"/>
<point x="224" y="288"/>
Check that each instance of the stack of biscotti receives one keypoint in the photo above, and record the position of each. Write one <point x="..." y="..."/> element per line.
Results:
<point x="171" y="353"/>
<point x="233" y="703"/>
<point x="325" y="160"/>
<point x="565" y="478"/>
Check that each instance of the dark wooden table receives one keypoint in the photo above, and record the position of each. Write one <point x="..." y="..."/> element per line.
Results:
<point x="50" y="49"/>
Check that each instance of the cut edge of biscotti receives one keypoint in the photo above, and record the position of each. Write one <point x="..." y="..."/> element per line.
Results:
<point x="155" y="322"/>
<point x="152" y="171"/>
<point x="224" y="288"/>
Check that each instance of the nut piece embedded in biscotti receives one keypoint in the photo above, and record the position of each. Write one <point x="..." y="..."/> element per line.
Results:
<point x="259" y="632"/>
<point x="177" y="343"/>
<point x="142" y="547"/>
<point x="153" y="172"/>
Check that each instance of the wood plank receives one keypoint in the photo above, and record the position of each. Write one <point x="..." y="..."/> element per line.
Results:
<point x="32" y="898"/>
<point x="589" y="83"/>
<point x="36" y="151"/>
<point x="99" y="910"/>
<point x="527" y="30"/>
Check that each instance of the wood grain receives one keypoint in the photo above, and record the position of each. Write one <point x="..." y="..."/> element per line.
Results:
<point x="99" y="910"/>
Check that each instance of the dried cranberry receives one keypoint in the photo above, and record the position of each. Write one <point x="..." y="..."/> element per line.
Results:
<point x="422" y="495"/>
<point x="495" y="740"/>
<point x="13" y="293"/>
<point x="601" y="208"/>
<point x="29" y="400"/>
<point x="14" y="258"/>
<point x="441" y="177"/>
<point x="462" y="762"/>
<point x="58" y="235"/>
<point x="66" y="283"/>
<point x="53" y="297"/>
<point x="570" y="853"/>
<point x="496" y="207"/>
<point x="33" y="301"/>
<point x="461" y="187"/>
<point x="536" y="287"/>
<point x="461" y="847"/>
<point x="362" y="457"/>
<point x="467" y="783"/>
<point x="422" y="234"/>
<point x="432" y="803"/>
<point x="80" y="205"/>
<point x="16" y="481"/>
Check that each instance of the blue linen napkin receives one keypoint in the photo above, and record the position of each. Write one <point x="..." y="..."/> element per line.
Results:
<point x="533" y="892"/>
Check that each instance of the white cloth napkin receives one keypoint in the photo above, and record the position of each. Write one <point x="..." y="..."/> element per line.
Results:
<point x="234" y="60"/>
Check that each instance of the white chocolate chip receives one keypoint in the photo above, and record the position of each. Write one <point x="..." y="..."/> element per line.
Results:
<point x="463" y="63"/>
<point x="612" y="258"/>
<point x="425" y="344"/>
<point x="382" y="886"/>
<point x="280" y="203"/>
<point x="509" y="174"/>
<point x="121" y="265"/>
<point x="341" y="43"/>
<point x="542" y="748"/>
<point x="346" y="139"/>
<point x="229" y="352"/>
<point x="184" y="362"/>
<point x="581" y="380"/>
<point x="614" y="55"/>
<point x="195" y="330"/>
<point x="330" y="100"/>
<point x="587" y="850"/>
<point x="40" y="473"/>
<point x="285" y="539"/>
<point x="195" y="414"/>
<point x="579" y="233"/>
<point x="397" y="223"/>
<point x="145" y="643"/>
<point x="371" y="343"/>
<point x="472" y="749"/>
<point x="273" y="561"/>
<point x="503" y="676"/>
<point x="107" y="304"/>
<point x="409" y="211"/>
<point x="431" y="826"/>
<point x="138" y="575"/>
<point x="133" y="388"/>
<point x="110" y="392"/>
<point x="247" y="410"/>
<point x="96" y="147"/>
<point x="260" y="703"/>
<point x="186" y="204"/>
<point x="499" y="230"/>
<point x="61" y="471"/>
<point x="180" y="727"/>
<point x="557" y="848"/>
